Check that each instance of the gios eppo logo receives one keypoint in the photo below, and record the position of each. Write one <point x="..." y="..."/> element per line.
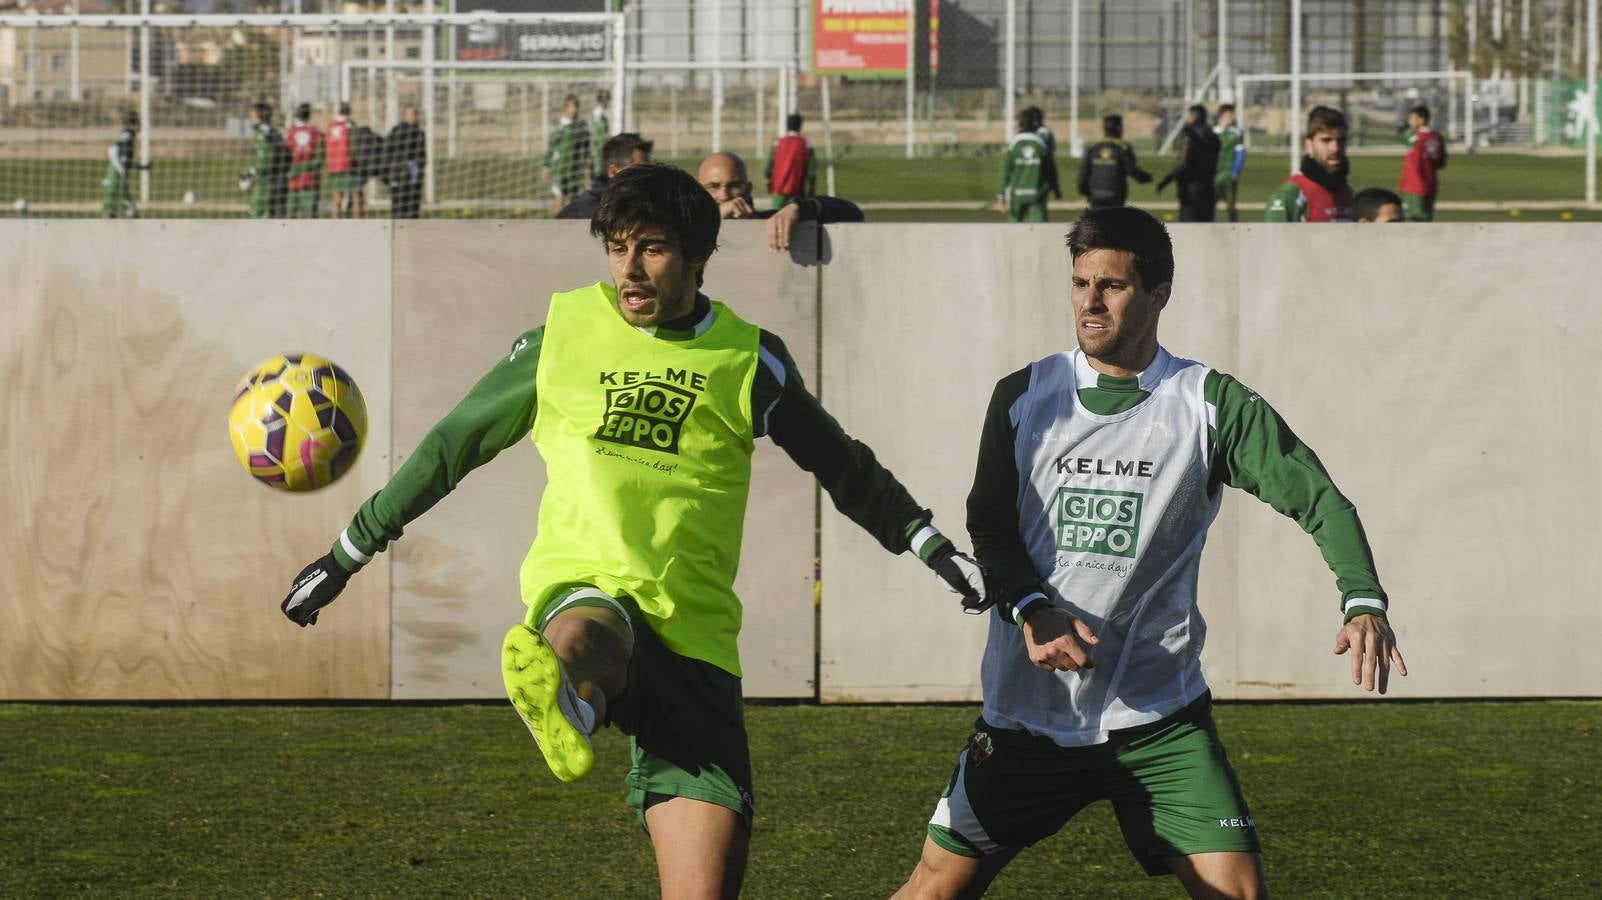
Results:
<point x="1097" y="521"/>
<point x="648" y="410"/>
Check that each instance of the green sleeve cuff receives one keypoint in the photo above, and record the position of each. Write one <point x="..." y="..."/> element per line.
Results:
<point x="925" y="539"/>
<point x="350" y="557"/>
<point x="1020" y="612"/>
<point x="1355" y="606"/>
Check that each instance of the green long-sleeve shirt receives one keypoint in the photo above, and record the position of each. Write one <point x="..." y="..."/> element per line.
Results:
<point x="570" y="157"/>
<point x="268" y="156"/>
<point x="1027" y="170"/>
<point x="1254" y="451"/>
<point x="499" y="411"/>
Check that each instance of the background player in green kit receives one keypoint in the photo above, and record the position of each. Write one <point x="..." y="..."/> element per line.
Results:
<point x="1028" y="172"/>
<point x="1099" y="474"/>
<point x="267" y="178"/>
<point x="115" y="198"/>
<point x="1231" y="159"/>
<point x="644" y="398"/>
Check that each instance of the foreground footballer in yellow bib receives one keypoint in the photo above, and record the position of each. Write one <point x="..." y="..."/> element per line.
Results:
<point x="645" y="399"/>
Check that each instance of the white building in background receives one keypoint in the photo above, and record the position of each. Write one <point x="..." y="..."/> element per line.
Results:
<point x="37" y="65"/>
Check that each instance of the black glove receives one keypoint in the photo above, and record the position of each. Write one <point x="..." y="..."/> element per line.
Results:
<point x="963" y="576"/>
<point x="315" y="587"/>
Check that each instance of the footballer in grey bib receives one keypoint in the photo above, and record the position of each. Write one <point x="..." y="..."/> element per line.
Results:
<point x="1114" y="511"/>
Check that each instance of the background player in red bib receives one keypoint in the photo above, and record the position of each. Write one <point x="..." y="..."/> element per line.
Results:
<point x="343" y="181"/>
<point x="1426" y="155"/>
<point x="791" y="174"/>
<point x="1319" y="192"/>
<point x="305" y="143"/>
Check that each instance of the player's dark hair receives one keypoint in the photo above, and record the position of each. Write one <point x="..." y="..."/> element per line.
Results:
<point x="303" y="112"/>
<point x="570" y="98"/>
<point x="263" y="109"/>
<point x="1225" y="107"/>
<point x="1324" y="118"/>
<point x="1199" y="112"/>
<point x="130" y="119"/>
<point x="1113" y="125"/>
<point x="1131" y="230"/>
<point x="344" y="109"/>
<point x="1423" y="112"/>
<point x="792" y="122"/>
<point x="1026" y="119"/>
<point x="661" y="196"/>
<point x="1367" y="203"/>
<point x="619" y="147"/>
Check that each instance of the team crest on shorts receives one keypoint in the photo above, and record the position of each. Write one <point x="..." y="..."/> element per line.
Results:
<point x="980" y="747"/>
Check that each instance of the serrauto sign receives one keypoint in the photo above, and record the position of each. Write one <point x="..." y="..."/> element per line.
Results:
<point x="867" y="37"/>
<point x="552" y="42"/>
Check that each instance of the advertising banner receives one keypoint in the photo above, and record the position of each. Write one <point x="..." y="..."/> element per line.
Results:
<point x="867" y="37"/>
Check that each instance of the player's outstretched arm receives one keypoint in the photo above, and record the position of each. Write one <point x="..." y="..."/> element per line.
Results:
<point x="1373" y="651"/>
<point x="496" y="414"/>
<point x="859" y="485"/>
<point x="1260" y="454"/>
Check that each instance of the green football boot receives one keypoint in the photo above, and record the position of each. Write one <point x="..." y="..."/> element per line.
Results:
<point x="542" y="694"/>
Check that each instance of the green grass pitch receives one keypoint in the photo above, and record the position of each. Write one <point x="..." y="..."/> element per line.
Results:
<point x="1389" y="799"/>
<point x="878" y="178"/>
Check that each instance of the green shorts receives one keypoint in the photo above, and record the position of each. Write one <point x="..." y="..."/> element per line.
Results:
<point x="1170" y="784"/>
<point x="343" y="182"/>
<point x="685" y="718"/>
<point x="1417" y="208"/>
<point x="303" y="203"/>
<point x="1225" y="189"/>
<point x="1032" y="211"/>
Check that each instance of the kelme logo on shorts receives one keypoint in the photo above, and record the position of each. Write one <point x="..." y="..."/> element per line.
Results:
<point x="1096" y="521"/>
<point x="647" y="410"/>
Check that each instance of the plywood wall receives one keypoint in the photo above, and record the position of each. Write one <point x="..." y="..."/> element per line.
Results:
<point x="139" y="560"/>
<point x="1444" y="374"/>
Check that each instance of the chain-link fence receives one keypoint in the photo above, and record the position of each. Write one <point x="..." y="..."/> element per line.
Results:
<point x="936" y="82"/>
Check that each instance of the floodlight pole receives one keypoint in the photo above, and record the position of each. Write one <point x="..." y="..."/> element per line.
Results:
<point x="428" y="105"/>
<point x="1009" y="103"/>
<point x="1590" y="109"/>
<point x="1223" y="53"/>
<point x="912" y="34"/>
<point x="451" y="116"/>
<point x="391" y="107"/>
<point x="76" y="89"/>
<point x="1075" y="143"/>
<point x="717" y="76"/>
<point x="1296" y="83"/>
<point x="144" y="103"/>
<point x="828" y="132"/>
<point x="286" y="95"/>
<point x="620" y="81"/>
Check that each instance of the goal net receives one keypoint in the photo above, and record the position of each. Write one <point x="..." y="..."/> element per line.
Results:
<point x="1375" y="104"/>
<point x="502" y="137"/>
<point x="87" y="102"/>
